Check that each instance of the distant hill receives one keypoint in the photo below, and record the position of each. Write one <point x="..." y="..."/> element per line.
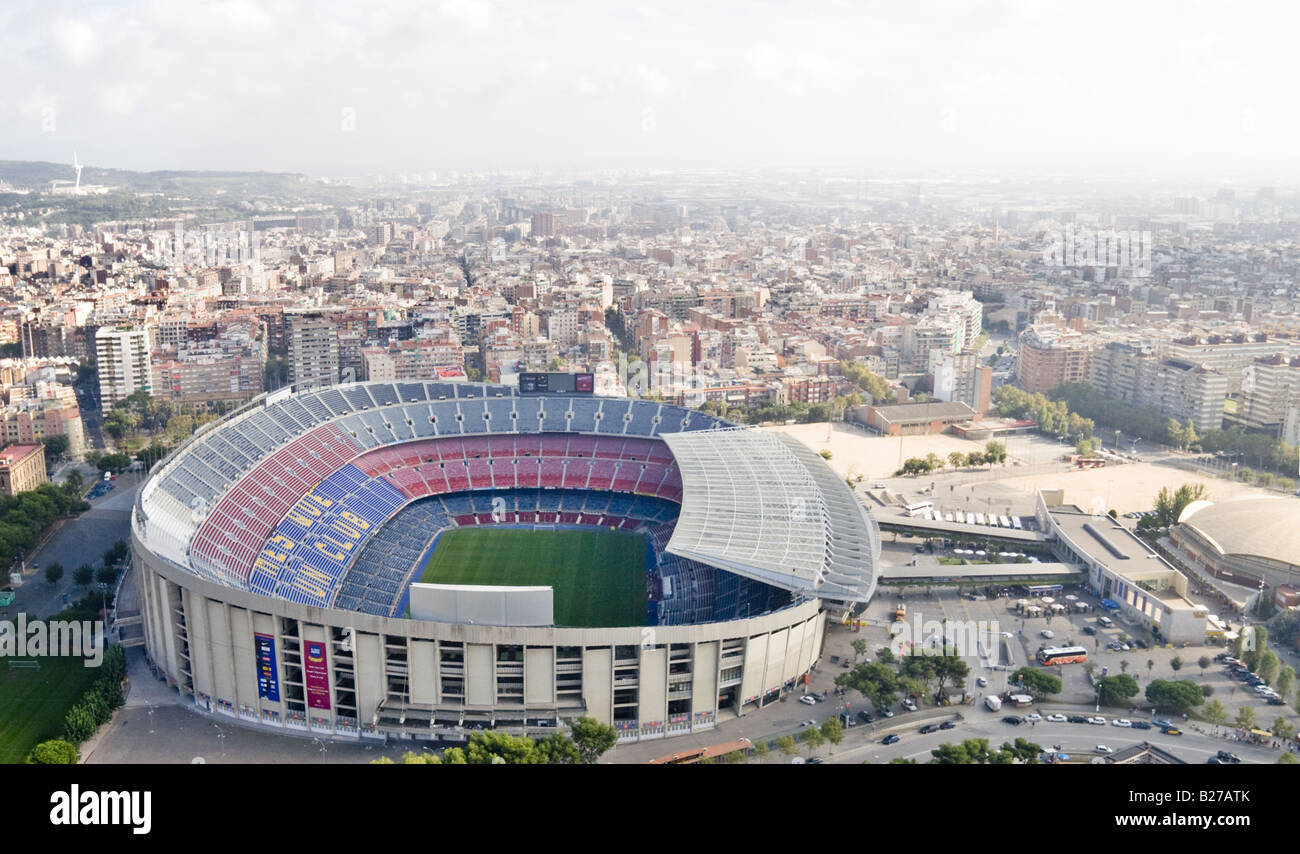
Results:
<point x="37" y="175"/>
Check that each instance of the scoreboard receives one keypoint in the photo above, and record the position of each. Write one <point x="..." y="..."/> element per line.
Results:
<point x="556" y="383"/>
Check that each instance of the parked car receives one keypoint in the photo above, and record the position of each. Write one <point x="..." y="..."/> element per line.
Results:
<point x="1097" y="720"/>
<point x="1077" y="719"/>
<point x="1276" y="701"/>
<point x="1033" y="717"/>
<point x="865" y="717"/>
<point x="1122" y="722"/>
<point x="1141" y="725"/>
<point x="807" y="700"/>
<point x="1089" y="630"/>
<point x="890" y="739"/>
<point x="1140" y="644"/>
<point x="1047" y="633"/>
<point x="1014" y="720"/>
<point x="908" y="704"/>
<point x="813" y="760"/>
<point x="1102" y="749"/>
<point x="888" y="713"/>
<point x="1056" y="719"/>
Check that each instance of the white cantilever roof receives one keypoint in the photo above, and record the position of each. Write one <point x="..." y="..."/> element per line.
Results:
<point x="763" y="506"/>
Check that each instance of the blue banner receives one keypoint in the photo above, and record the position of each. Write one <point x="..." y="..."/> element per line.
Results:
<point x="268" y="683"/>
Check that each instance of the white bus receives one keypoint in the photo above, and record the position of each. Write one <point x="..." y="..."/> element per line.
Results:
<point x="1006" y="523"/>
<point x="1015" y="523"/>
<point x="918" y="508"/>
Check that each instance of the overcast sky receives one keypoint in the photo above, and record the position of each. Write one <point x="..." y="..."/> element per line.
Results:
<point x="1202" y="88"/>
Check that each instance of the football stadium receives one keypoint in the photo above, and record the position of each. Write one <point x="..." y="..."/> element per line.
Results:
<point x="421" y="559"/>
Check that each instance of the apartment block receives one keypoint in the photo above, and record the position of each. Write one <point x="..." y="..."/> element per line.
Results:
<point x="124" y="363"/>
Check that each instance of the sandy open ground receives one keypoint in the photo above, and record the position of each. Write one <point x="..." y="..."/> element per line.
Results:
<point x="856" y="453"/>
<point x="1129" y="487"/>
<point x="1124" y="488"/>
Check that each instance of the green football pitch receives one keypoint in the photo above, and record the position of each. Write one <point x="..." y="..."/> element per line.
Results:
<point x="598" y="575"/>
<point x="33" y="703"/>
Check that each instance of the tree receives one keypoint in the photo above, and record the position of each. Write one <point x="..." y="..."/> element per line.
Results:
<point x="1178" y="697"/>
<point x="786" y="744"/>
<point x="1269" y="666"/>
<point x="859" y="649"/>
<point x="833" y="730"/>
<point x="885" y="655"/>
<point x="1214" y="712"/>
<point x="974" y="458"/>
<point x="83" y="575"/>
<point x="79" y="724"/>
<point x="558" y="749"/>
<point x="1245" y="718"/>
<point x="957" y="459"/>
<point x="1150" y="666"/>
<point x="54" y="752"/>
<point x="1117" y="690"/>
<point x="825" y="454"/>
<point x="106" y="574"/>
<point x="1204" y="663"/>
<point x="1024" y="750"/>
<point x="1176" y="664"/>
<point x="115" y="463"/>
<point x="74" y="482"/>
<point x="995" y="453"/>
<point x="1282" y="728"/>
<point x="117" y="552"/>
<point x="1288" y="758"/>
<point x="1038" y="682"/>
<point x="1285" y="680"/>
<point x="55" y="446"/>
<point x="873" y="680"/>
<point x="498" y="748"/>
<point x="53" y="573"/>
<point x="592" y="738"/>
<point x="873" y="384"/>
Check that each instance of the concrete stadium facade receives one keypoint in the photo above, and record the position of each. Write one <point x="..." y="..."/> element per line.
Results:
<point x="338" y="672"/>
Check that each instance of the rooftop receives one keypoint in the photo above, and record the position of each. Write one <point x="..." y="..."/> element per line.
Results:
<point x="761" y="505"/>
<point x="1262" y="527"/>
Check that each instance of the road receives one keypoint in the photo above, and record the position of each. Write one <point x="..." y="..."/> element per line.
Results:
<point x="80" y="540"/>
<point x="1074" y="739"/>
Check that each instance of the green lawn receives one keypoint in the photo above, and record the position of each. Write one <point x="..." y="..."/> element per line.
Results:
<point x="33" y="703"/>
<point x="598" y="575"/>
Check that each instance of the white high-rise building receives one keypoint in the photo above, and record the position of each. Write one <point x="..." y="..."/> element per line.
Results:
<point x="122" y="354"/>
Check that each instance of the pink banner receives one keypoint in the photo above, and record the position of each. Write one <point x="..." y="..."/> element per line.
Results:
<point x="316" y="675"/>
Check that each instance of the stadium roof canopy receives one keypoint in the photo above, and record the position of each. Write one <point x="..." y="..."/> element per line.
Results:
<point x="764" y="506"/>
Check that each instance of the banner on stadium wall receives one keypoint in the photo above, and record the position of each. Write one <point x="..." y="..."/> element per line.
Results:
<point x="316" y="674"/>
<point x="268" y="682"/>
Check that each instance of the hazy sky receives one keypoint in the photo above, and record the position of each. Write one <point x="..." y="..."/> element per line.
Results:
<point x="1203" y="88"/>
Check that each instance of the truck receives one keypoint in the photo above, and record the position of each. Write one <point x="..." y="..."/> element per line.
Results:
<point x="993" y="702"/>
